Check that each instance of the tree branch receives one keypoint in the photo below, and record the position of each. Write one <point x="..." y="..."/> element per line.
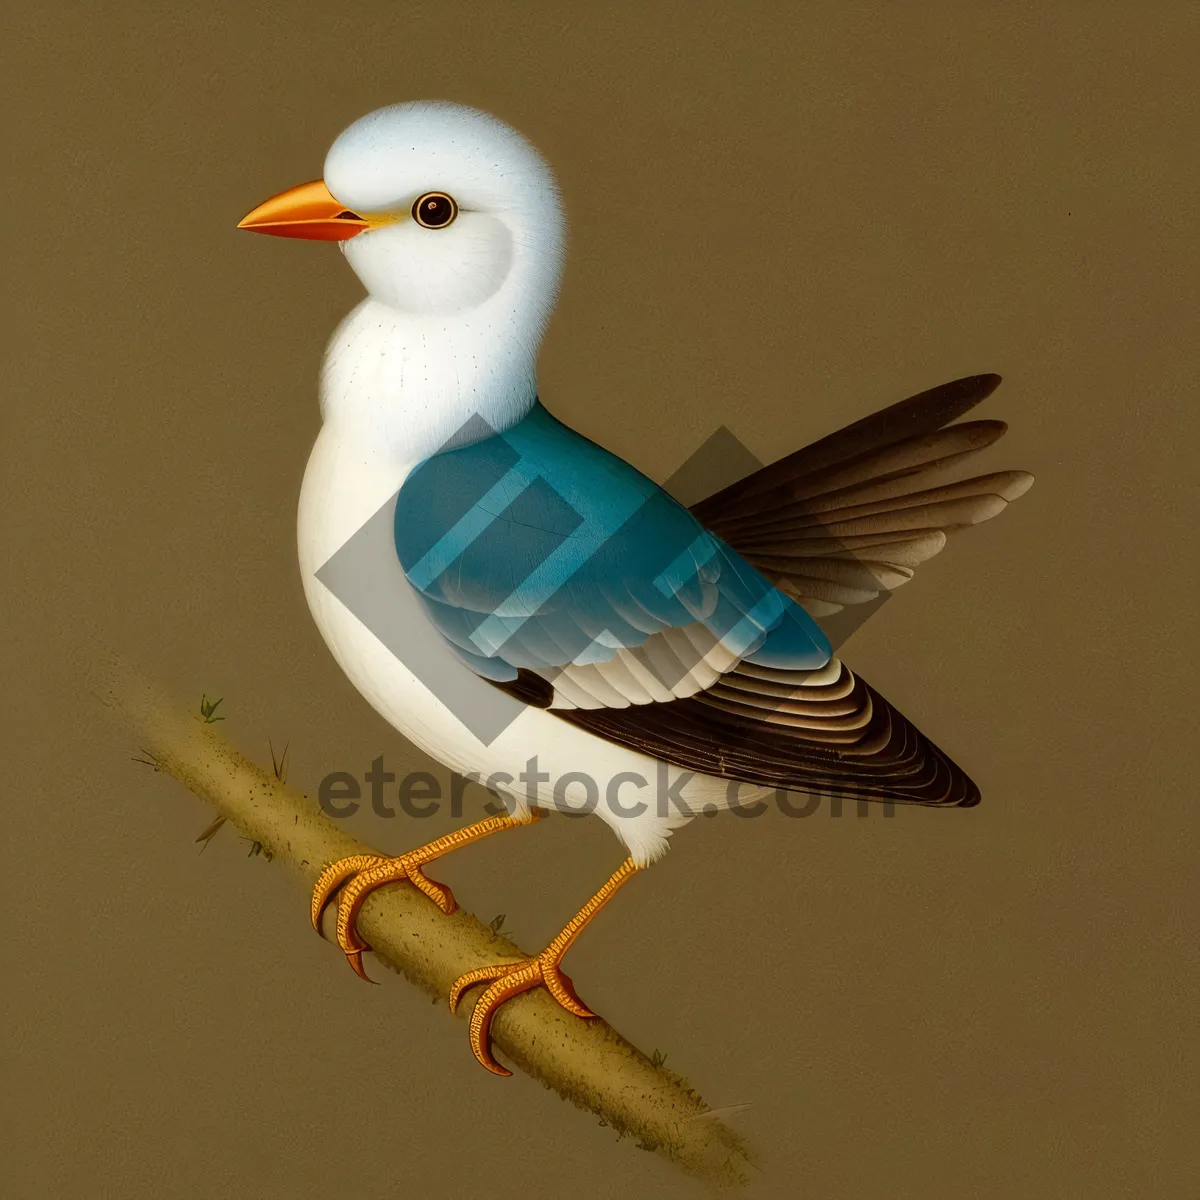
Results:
<point x="585" y="1062"/>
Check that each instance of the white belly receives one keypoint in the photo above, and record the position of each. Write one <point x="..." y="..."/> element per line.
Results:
<point x="345" y="484"/>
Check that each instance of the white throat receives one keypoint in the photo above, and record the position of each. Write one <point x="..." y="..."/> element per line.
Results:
<point x="407" y="383"/>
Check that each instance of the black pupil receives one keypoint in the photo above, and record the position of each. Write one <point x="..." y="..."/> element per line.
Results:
<point x="436" y="210"/>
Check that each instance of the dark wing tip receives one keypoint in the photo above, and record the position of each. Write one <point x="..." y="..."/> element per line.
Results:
<point x="982" y="385"/>
<point x="919" y="415"/>
<point x="970" y="795"/>
<point x="937" y="406"/>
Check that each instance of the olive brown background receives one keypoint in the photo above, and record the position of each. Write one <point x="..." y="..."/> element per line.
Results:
<point x="783" y="216"/>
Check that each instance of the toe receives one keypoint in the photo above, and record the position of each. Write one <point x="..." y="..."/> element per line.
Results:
<point x="562" y="989"/>
<point x="480" y="975"/>
<point x="355" y="959"/>
<point x="439" y="893"/>
<point x="333" y="877"/>
<point x="526" y="976"/>
<point x="354" y="895"/>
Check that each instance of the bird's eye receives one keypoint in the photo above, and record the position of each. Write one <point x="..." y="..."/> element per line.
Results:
<point x="434" y="210"/>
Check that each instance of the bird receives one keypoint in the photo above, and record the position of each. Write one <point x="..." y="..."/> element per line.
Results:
<point x="632" y="638"/>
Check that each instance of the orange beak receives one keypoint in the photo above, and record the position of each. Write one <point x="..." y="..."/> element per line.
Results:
<point x="307" y="211"/>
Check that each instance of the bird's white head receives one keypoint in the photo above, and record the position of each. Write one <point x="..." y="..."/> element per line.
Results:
<point x="439" y="208"/>
<point x="454" y="224"/>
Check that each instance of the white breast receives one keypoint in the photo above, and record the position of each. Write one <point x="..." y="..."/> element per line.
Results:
<point x="344" y="486"/>
<point x="392" y="394"/>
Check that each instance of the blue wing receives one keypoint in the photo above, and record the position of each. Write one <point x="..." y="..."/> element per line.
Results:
<point x="536" y="548"/>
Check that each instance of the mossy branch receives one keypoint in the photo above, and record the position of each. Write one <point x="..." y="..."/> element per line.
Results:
<point x="586" y="1062"/>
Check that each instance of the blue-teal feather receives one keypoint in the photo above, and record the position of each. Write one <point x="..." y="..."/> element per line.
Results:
<point x="537" y="548"/>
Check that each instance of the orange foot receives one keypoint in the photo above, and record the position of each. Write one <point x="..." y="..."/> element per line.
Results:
<point x="366" y="872"/>
<point x="506" y="980"/>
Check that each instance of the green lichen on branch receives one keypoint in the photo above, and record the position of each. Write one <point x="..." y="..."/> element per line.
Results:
<point x="585" y="1062"/>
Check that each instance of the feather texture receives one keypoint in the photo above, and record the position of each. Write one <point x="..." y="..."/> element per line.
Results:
<point x="533" y="548"/>
<point x="819" y="732"/>
<point x="854" y="514"/>
<point x="833" y="524"/>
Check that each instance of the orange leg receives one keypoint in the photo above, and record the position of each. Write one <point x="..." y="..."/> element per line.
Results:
<point x="506" y="980"/>
<point x="366" y="872"/>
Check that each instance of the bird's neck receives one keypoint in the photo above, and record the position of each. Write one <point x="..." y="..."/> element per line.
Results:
<point x="408" y="385"/>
